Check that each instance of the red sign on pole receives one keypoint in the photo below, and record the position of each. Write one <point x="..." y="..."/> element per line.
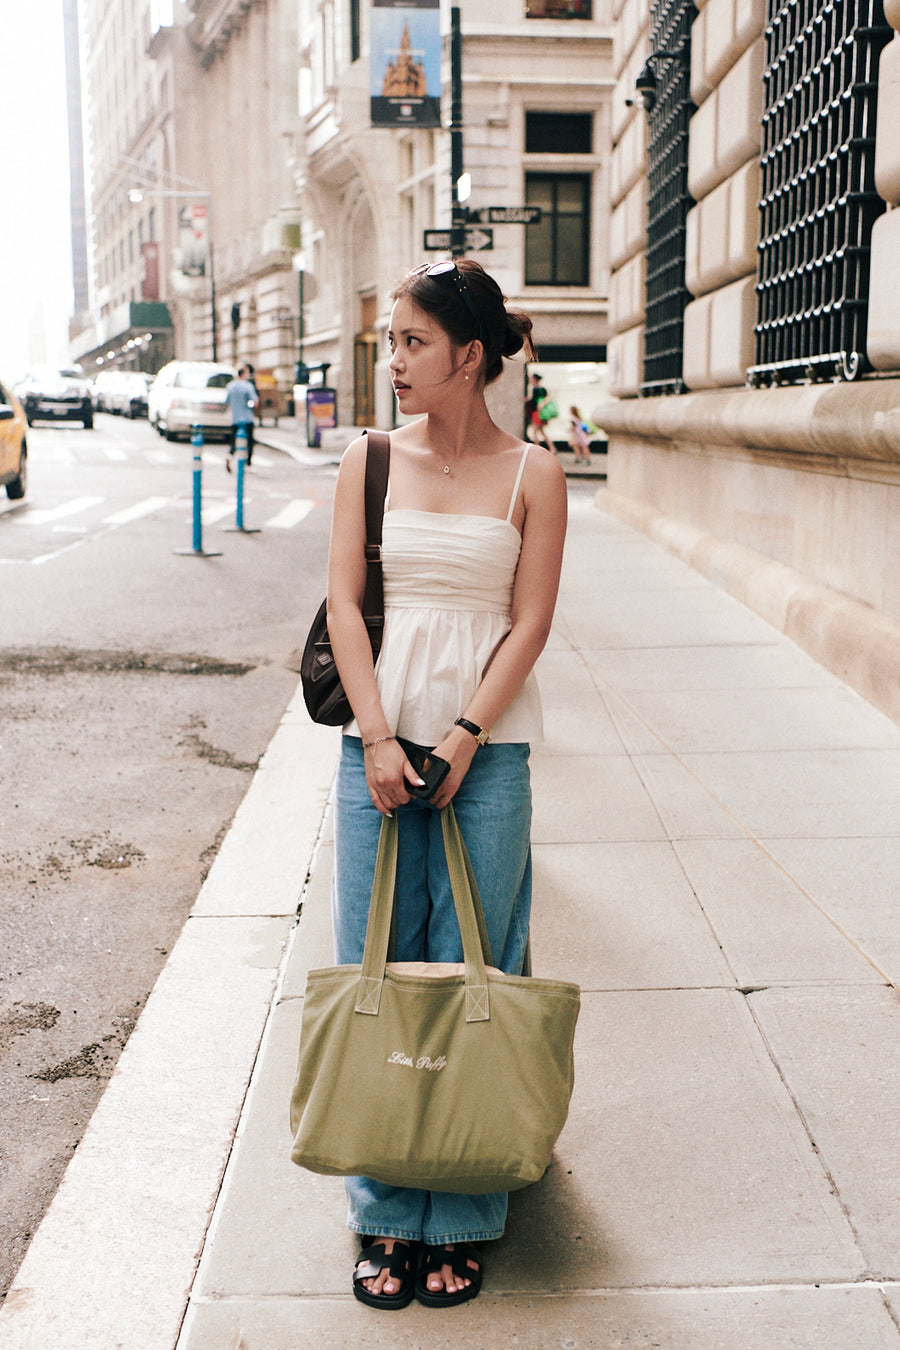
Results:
<point x="150" y="271"/>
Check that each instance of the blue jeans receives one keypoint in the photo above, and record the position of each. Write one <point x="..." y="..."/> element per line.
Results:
<point x="493" y="807"/>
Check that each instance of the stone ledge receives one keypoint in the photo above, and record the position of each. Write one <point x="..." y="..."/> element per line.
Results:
<point x="841" y="422"/>
<point x="853" y="641"/>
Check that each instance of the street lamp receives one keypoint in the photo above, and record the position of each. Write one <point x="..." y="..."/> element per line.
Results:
<point x="298" y="262"/>
<point x="137" y="194"/>
<point x="647" y="83"/>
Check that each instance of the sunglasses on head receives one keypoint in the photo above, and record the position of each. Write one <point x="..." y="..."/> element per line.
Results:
<point x="448" y="271"/>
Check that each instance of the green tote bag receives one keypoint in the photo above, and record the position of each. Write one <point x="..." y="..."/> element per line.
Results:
<point x="439" y="1077"/>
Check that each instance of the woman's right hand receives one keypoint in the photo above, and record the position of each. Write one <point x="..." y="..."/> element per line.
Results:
<point x="388" y="773"/>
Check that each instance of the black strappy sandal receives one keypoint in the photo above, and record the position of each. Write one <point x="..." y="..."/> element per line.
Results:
<point x="400" y="1265"/>
<point x="457" y="1257"/>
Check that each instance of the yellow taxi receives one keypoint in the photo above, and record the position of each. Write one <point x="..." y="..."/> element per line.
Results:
<point x="13" y="448"/>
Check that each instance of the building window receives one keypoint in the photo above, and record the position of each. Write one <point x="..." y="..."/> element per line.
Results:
<point x="556" y="248"/>
<point x="556" y="133"/>
<point x="818" y="199"/>
<point x="558" y="9"/>
<point x="668" y="200"/>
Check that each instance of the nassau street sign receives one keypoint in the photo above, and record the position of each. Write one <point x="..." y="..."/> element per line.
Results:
<point x="506" y="215"/>
<point x="476" y="240"/>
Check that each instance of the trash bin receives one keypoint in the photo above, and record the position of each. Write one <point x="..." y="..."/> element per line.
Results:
<point x="321" y="413"/>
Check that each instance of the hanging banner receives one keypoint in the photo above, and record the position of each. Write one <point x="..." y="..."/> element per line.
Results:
<point x="193" y="238"/>
<point x="150" y="271"/>
<point x="405" y="70"/>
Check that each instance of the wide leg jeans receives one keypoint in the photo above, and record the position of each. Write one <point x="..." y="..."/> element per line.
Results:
<point x="493" y="808"/>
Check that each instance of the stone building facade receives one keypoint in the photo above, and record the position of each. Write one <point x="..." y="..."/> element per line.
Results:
<point x="193" y="122"/>
<point x="756" y="346"/>
<point x="252" y="118"/>
<point x="536" y="86"/>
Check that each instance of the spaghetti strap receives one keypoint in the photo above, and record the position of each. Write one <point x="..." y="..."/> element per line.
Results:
<point x="515" y="491"/>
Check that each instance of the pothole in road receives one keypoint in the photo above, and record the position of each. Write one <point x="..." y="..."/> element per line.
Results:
<point x="24" y="1017"/>
<point x="214" y="754"/>
<point x="95" y="851"/>
<point x="65" y="661"/>
<point x="96" y="1060"/>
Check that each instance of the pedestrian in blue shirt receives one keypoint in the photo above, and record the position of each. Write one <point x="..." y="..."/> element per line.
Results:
<point x="241" y="397"/>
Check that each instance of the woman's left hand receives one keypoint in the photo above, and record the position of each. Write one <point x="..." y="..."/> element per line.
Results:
<point x="459" y="750"/>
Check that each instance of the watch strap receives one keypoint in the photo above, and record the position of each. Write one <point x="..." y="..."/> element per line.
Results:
<point x="479" y="733"/>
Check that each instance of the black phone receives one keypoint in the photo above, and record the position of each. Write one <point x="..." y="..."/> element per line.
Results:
<point x="429" y="766"/>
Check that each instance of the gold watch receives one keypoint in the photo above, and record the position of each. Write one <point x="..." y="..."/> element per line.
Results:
<point x="481" y="736"/>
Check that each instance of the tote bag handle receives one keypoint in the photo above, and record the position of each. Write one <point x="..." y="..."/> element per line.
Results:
<point x="470" y="916"/>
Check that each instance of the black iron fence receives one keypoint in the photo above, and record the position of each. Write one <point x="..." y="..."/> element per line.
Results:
<point x="818" y="196"/>
<point x="668" y="199"/>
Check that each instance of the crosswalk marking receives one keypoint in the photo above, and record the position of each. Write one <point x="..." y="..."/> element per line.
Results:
<point x="216" y="511"/>
<point x="136" y="512"/>
<point x="160" y="456"/>
<point x="59" y="519"/>
<point x="48" y="513"/>
<point x="114" y="452"/>
<point x="290" y="515"/>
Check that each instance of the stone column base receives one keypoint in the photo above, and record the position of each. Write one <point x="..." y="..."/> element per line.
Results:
<point x="852" y="640"/>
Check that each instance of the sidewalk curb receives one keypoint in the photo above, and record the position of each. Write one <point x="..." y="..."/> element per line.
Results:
<point x="115" y="1270"/>
<point x="287" y="444"/>
<point x="309" y="457"/>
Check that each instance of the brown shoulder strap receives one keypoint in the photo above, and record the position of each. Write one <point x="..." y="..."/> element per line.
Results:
<point x="378" y="458"/>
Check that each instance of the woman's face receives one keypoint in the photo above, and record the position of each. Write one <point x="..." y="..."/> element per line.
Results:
<point x="426" y="365"/>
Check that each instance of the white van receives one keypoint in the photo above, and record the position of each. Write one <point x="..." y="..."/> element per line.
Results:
<point x="186" y="394"/>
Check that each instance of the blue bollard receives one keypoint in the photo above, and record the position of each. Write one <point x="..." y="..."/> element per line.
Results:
<point x="197" y="443"/>
<point x="240" y="455"/>
<point x="197" y="550"/>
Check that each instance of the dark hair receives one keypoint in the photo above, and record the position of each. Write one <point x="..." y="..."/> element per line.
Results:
<point x="502" y="332"/>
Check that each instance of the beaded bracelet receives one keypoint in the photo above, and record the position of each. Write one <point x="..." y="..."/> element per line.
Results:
<point x="367" y="745"/>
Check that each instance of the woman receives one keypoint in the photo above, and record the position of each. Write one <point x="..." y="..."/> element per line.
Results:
<point x="537" y="396"/>
<point x="579" y="436"/>
<point x="472" y="548"/>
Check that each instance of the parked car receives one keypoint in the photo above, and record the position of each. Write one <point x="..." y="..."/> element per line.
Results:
<point x="57" y="394"/>
<point x="191" y="393"/>
<point x="102" y="387"/>
<point x="128" y="394"/>
<point x="13" y="447"/>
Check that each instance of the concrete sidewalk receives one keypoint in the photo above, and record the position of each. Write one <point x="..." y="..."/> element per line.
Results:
<point x="717" y="864"/>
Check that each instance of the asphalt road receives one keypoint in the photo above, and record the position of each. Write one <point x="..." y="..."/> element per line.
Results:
<point x="138" y="689"/>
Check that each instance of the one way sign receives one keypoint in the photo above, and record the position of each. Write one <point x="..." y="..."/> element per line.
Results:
<point x="476" y="240"/>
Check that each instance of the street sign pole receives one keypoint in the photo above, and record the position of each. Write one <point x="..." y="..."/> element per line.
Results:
<point x="459" y="213"/>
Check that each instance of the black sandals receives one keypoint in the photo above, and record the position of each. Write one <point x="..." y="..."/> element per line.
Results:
<point x="457" y="1257"/>
<point x="400" y="1265"/>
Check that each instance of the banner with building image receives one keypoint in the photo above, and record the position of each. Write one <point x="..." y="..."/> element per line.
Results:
<point x="405" y="70"/>
<point x="193" y="238"/>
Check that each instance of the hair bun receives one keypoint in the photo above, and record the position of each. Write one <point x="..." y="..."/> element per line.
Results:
<point x="518" y="333"/>
<point x="514" y="341"/>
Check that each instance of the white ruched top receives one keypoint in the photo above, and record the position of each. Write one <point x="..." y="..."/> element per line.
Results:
<point x="448" y="584"/>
